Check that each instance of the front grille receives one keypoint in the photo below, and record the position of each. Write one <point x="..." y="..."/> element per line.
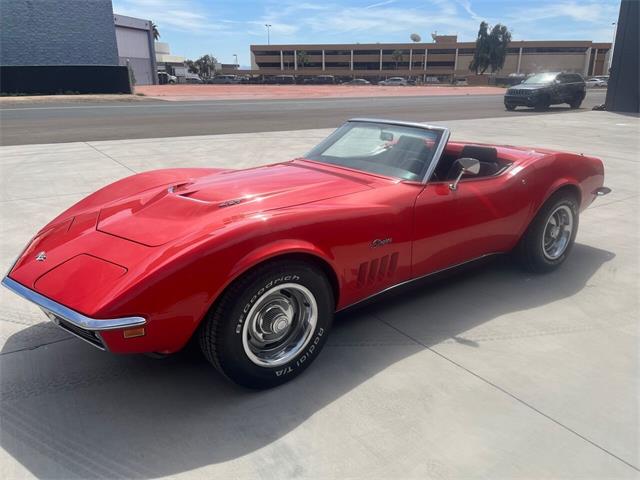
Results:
<point x="519" y="92"/>
<point x="86" y="335"/>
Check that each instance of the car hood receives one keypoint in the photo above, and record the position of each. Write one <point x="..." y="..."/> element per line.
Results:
<point x="160" y="215"/>
<point x="530" y="86"/>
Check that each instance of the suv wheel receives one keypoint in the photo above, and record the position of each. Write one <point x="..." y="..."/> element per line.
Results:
<point x="543" y="103"/>
<point x="576" y="101"/>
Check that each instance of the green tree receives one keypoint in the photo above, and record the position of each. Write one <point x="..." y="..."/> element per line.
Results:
<point x="204" y="66"/>
<point x="191" y="66"/>
<point x="154" y="30"/>
<point x="303" y="58"/>
<point x="491" y="48"/>
<point x="481" y="54"/>
<point x="397" y="57"/>
<point x="499" y="40"/>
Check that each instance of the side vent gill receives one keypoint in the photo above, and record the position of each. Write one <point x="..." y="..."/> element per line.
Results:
<point x="377" y="270"/>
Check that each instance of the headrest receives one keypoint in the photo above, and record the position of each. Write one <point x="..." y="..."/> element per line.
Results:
<point x="484" y="154"/>
<point x="408" y="142"/>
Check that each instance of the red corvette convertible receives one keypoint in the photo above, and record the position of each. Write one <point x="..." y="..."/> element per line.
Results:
<point x="255" y="262"/>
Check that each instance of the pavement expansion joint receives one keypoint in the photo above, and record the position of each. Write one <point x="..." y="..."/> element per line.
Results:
<point x="506" y="392"/>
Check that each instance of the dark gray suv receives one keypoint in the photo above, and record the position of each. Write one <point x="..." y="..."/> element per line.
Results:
<point x="544" y="89"/>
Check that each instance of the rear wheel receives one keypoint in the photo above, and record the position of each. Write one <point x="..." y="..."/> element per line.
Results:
<point x="270" y="324"/>
<point x="550" y="236"/>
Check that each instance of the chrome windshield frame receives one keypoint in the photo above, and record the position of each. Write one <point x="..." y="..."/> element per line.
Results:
<point x="445" y="133"/>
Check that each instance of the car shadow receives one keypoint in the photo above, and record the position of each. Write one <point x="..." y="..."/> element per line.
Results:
<point x="551" y="109"/>
<point x="70" y="411"/>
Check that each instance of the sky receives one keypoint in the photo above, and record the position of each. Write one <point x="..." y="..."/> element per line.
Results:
<point x="227" y="27"/>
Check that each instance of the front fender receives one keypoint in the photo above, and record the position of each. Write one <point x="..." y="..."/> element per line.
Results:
<point x="279" y="248"/>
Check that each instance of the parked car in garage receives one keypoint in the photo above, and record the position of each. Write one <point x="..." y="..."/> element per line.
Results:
<point x="192" y="78"/>
<point x="544" y="89"/>
<point x="358" y="81"/>
<point x="253" y="263"/>
<point x="281" y="80"/>
<point x="224" y="79"/>
<point x="321" y="80"/>
<point x="596" y="82"/>
<point x="252" y="79"/>
<point x="394" y="81"/>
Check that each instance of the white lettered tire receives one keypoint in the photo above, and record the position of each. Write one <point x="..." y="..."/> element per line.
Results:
<point x="270" y="324"/>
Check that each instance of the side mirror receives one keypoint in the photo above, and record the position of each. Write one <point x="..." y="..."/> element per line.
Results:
<point x="468" y="166"/>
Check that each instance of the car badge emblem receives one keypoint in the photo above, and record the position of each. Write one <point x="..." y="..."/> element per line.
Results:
<point x="380" y="242"/>
<point x="41" y="257"/>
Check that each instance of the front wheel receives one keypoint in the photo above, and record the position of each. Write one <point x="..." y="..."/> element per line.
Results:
<point x="550" y="236"/>
<point x="511" y="108"/>
<point x="269" y="325"/>
<point x="576" y="101"/>
<point x="542" y="103"/>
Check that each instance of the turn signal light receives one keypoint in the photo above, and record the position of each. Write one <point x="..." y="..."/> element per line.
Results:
<point x="134" y="332"/>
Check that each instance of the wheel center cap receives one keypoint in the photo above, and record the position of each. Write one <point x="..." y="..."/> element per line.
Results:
<point x="280" y="324"/>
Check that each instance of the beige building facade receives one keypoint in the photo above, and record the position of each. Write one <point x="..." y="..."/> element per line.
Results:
<point x="439" y="59"/>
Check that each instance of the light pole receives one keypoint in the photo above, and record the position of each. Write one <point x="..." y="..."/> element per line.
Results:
<point x="613" y="41"/>
<point x="235" y="55"/>
<point x="268" y="25"/>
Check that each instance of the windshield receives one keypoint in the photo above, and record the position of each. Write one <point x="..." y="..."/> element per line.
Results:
<point x="397" y="151"/>
<point x="541" y="78"/>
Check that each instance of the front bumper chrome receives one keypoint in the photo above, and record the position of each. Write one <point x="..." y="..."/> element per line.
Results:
<point x="73" y="322"/>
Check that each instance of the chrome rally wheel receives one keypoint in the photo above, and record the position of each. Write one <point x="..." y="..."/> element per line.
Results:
<point x="270" y="324"/>
<point x="279" y="325"/>
<point x="558" y="232"/>
<point x="551" y="234"/>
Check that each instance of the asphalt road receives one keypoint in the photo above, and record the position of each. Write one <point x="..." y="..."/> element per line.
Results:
<point x="71" y="122"/>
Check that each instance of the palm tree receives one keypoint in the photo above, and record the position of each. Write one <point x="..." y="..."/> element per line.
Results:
<point x="481" y="54"/>
<point x="154" y="30"/>
<point x="499" y="40"/>
<point x="397" y="57"/>
<point x="491" y="48"/>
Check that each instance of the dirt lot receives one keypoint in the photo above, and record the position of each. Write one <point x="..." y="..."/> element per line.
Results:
<point x="107" y="98"/>
<point x="264" y="92"/>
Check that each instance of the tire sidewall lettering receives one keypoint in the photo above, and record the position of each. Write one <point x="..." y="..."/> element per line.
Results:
<point x="303" y="357"/>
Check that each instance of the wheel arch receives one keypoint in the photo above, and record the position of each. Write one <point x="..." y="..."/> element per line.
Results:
<point x="562" y="185"/>
<point x="568" y="187"/>
<point x="311" y="258"/>
<point x="282" y="251"/>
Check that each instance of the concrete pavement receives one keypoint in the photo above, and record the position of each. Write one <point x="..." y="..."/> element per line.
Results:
<point x="492" y="373"/>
